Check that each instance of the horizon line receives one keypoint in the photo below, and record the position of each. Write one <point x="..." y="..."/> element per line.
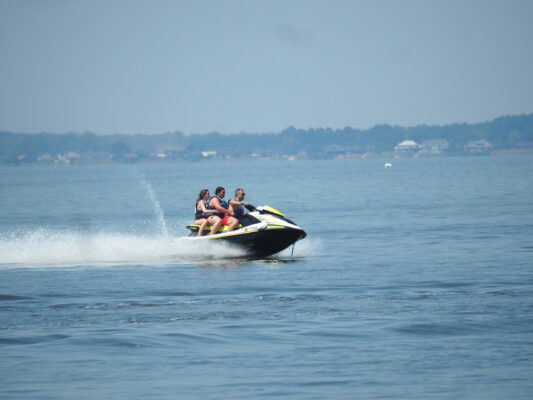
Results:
<point x="264" y="133"/>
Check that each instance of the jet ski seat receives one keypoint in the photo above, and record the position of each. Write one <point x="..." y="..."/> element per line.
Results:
<point x="207" y="229"/>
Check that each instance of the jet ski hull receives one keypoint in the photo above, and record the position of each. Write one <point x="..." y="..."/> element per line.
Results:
<point x="261" y="243"/>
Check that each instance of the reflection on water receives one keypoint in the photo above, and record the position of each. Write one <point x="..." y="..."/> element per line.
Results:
<point x="243" y="262"/>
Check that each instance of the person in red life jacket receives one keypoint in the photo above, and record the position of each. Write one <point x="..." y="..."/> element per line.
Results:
<point x="204" y="216"/>
<point x="223" y="209"/>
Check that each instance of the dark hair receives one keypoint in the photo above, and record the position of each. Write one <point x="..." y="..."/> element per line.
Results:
<point x="219" y="189"/>
<point x="201" y="194"/>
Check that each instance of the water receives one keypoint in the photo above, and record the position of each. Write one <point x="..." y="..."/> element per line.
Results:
<point x="414" y="282"/>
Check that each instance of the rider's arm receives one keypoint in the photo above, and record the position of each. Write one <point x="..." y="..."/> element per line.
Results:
<point x="205" y="210"/>
<point x="219" y="208"/>
<point x="235" y="202"/>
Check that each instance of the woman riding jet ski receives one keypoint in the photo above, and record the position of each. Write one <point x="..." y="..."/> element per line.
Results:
<point x="262" y="232"/>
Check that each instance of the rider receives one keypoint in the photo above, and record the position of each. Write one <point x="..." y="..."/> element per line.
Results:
<point x="237" y="204"/>
<point x="202" y="211"/>
<point x="218" y="203"/>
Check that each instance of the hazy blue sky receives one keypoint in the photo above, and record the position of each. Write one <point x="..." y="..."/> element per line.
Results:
<point x="156" y="66"/>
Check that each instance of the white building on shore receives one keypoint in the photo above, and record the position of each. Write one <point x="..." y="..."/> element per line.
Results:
<point x="407" y="147"/>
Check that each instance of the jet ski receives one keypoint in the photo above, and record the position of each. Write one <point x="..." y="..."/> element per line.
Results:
<point x="261" y="232"/>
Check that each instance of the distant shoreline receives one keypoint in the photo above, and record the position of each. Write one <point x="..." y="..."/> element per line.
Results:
<point x="495" y="153"/>
<point x="507" y="135"/>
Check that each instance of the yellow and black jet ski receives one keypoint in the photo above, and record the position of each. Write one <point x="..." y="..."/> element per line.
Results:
<point x="261" y="232"/>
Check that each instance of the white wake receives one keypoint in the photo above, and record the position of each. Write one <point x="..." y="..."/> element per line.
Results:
<point x="43" y="247"/>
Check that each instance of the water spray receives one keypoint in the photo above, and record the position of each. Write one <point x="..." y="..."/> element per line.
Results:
<point x="160" y="216"/>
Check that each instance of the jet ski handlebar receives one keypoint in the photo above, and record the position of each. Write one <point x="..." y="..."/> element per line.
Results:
<point x="249" y="207"/>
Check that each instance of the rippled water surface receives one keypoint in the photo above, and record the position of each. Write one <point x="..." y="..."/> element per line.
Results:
<point x="414" y="282"/>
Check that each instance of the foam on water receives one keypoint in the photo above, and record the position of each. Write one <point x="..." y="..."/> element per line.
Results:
<point x="44" y="247"/>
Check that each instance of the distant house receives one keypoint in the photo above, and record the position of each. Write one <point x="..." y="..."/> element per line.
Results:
<point x="435" y="146"/>
<point x="209" y="154"/>
<point x="478" y="146"/>
<point x="71" y="155"/>
<point x="407" y="147"/>
<point x="45" y="157"/>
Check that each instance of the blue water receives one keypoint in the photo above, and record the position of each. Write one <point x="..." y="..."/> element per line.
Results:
<point x="415" y="282"/>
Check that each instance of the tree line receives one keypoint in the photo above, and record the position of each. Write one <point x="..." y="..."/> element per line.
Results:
<point x="506" y="132"/>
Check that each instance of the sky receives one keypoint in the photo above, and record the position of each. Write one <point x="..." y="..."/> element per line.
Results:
<point x="230" y="66"/>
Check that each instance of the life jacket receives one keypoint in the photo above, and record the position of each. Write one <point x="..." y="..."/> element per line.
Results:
<point x="239" y="211"/>
<point x="223" y="203"/>
<point x="198" y="213"/>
